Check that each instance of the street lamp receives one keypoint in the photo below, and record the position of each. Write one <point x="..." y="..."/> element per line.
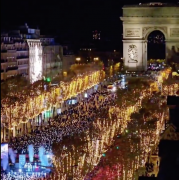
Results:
<point x="78" y="59"/>
<point x="96" y="59"/>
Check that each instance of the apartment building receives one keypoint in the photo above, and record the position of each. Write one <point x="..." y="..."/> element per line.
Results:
<point x="14" y="55"/>
<point x="68" y="57"/>
<point x="15" y="52"/>
<point x="52" y="59"/>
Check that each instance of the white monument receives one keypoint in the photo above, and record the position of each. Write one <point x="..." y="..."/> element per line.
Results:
<point x="35" y="60"/>
<point x="138" y="22"/>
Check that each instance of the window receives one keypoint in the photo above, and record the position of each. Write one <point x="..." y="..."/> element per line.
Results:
<point x="31" y="31"/>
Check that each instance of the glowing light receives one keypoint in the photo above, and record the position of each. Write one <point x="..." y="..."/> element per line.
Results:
<point x="96" y="59"/>
<point x="64" y="73"/>
<point x="26" y="107"/>
<point x="131" y="155"/>
<point x="48" y="79"/>
<point x="114" y="89"/>
<point x="78" y="59"/>
<point x="35" y="60"/>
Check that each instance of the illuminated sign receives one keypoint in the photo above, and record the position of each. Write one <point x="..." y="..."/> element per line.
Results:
<point x="22" y="160"/>
<point x="4" y="150"/>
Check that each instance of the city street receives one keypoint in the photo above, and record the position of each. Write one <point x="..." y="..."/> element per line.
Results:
<point x="93" y="138"/>
<point x="89" y="90"/>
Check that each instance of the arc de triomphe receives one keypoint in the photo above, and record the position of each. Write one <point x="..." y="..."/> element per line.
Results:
<point x="138" y="22"/>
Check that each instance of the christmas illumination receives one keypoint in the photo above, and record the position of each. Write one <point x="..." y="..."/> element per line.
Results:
<point x="136" y="122"/>
<point x="35" y="60"/>
<point x="93" y="148"/>
<point x="21" y="106"/>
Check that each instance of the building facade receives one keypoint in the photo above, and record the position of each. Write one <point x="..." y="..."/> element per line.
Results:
<point x="52" y="60"/>
<point x="69" y="57"/>
<point x="68" y="60"/>
<point x="15" y="52"/>
<point x="14" y="55"/>
<point x="139" y="21"/>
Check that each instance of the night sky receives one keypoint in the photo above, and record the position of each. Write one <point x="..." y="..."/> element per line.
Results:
<point x="71" y="19"/>
<point x="75" y="17"/>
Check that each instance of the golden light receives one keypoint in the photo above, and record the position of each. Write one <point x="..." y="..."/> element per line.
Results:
<point x="117" y="65"/>
<point x="29" y="106"/>
<point x="78" y="59"/>
<point x="88" y="156"/>
<point x="98" y="142"/>
<point x="64" y="73"/>
<point x="96" y="59"/>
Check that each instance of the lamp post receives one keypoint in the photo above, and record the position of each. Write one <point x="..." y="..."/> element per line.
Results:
<point x="96" y="59"/>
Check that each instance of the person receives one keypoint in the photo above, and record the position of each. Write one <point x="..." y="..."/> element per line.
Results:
<point x="67" y="123"/>
<point x="76" y="119"/>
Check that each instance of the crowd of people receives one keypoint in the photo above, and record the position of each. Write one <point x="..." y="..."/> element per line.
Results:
<point x="73" y="120"/>
<point x="76" y="119"/>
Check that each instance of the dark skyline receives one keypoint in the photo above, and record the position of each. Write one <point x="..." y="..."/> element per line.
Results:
<point x="65" y="16"/>
<point x="73" y="20"/>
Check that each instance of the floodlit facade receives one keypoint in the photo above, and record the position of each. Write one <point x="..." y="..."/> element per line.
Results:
<point x="15" y="51"/>
<point x="16" y="57"/>
<point x="35" y="60"/>
<point x="138" y="22"/>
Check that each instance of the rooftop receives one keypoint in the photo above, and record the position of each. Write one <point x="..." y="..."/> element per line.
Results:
<point x="46" y="36"/>
<point x="152" y="4"/>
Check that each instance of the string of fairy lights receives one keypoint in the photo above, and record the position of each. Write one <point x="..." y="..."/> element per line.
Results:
<point x="93" y="149"/>
<point x="83" y="158"/>
<point x="21" y="107"/>
<point x="140" y="149"/>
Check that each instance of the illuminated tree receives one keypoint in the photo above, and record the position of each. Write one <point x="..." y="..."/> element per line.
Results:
<point x="13" y="85"/>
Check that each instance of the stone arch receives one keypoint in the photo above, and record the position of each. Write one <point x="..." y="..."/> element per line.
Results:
<point x="141" y="20"/>
<point x="160" y="48"/>
<point x="147" y="32"/>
